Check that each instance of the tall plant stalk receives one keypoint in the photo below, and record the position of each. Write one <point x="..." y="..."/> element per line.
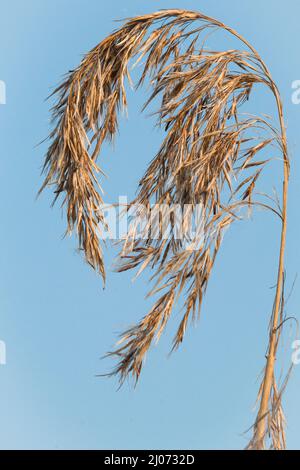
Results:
<point x="205" y="159"/>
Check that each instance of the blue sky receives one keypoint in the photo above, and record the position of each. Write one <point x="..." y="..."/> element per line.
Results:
<point x="55" y="318"/>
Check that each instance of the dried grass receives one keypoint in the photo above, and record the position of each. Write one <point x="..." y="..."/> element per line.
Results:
<point x="208" y="157"/>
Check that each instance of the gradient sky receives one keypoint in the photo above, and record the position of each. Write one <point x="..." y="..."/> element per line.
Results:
<point x="55" y="318"/>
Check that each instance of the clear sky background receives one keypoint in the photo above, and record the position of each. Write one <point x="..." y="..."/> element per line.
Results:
<point x="54" y="316"/>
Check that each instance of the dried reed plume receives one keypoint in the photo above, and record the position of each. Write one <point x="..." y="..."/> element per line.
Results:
<point x="208" y="157"/>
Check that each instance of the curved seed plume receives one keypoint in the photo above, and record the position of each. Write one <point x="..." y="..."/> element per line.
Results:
<point x="208" y="159"/>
